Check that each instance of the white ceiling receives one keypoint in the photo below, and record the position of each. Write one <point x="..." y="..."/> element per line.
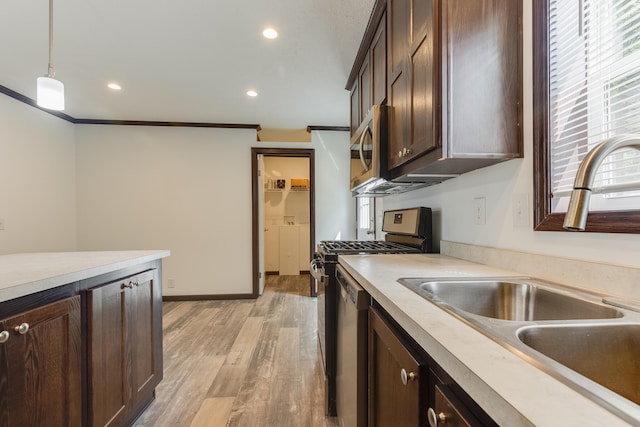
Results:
<point x="189" y="60"/>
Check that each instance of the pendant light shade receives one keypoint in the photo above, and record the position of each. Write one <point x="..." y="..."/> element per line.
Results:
<point x="50" y="92"/>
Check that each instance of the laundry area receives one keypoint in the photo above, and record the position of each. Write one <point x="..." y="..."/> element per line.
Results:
<point x="286" y="215"/>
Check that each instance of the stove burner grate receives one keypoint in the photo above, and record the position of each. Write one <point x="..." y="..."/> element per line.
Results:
<point x="364" y="246"/>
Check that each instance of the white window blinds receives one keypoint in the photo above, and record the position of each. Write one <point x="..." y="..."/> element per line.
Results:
<point x="594" y="79"/>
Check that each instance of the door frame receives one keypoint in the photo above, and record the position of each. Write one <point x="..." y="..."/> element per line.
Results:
<point x="258" y="192"/>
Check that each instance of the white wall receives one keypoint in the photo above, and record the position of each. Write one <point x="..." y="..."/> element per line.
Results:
<point x="335" y="208"/>
<point x="189" y="190"/>
<point x="453" y="200"/>
<point x="37" y="180"/>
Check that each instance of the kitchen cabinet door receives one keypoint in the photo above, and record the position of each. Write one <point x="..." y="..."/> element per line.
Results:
<point x="144" y="343"/>
<point x="370" y="86"/>
<point x="124" y="347"/>
<point x="395" y="378"/>
<point x="106" y="353"/>
<point x="40" y="366"/>
<point x="364" y="78"/>
<point x="378" y="60"/>
<point x="482" y="82"/>
<point x="413" y="74"/>
<point x="423" y="91"/>
<point x="355" y="106"/>
<point x="398" y="14"/>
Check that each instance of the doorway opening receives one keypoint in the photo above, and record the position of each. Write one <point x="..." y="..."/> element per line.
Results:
<point x="289" y="219"/>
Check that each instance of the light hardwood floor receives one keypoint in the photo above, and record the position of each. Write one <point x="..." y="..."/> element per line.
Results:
<point x="242" y="363"/>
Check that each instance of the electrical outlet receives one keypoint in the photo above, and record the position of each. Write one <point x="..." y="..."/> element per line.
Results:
<point x="171" y="283"/>
<point x="479" y="211"/>
<point x="520" y="206"/>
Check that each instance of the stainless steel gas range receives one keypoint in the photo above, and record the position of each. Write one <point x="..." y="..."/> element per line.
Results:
<point x="408" y="231"/>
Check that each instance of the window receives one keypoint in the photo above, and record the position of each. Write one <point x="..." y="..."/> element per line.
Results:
<point x="365" y="212"/>
<point x="586" y="90"/>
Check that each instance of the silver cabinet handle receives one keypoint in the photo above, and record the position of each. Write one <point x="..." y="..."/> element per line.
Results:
<point x="127" y="285"/>
<point x="4" y="337"/>
<point x="435" y="419"/>
<point x="406" y="377"/>
<point x="23" y="328"/>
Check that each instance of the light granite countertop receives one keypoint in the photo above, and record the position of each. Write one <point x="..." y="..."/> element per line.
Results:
<point x="512" y="391"/>
<point x="26" y="273"/>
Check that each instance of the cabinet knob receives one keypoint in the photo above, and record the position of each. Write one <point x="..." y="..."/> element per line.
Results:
<point x="23" y="328"/>
<point x="434" y="418"/>
<point x="127" y="285"/>
<point x="406" y="377"/>
<point x="4" y="337"/>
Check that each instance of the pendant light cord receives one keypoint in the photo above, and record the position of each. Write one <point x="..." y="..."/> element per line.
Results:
<point x="51" y="72"/>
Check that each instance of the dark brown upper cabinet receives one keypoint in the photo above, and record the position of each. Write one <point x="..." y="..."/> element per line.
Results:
<point x="412" y="78"/>
<point x="368" y="82"/>
<point x="454" y="82"/>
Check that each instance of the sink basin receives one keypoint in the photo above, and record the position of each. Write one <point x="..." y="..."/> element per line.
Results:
<point x="589" y="346"/>
<point x="509" y="300"/>
<point x="607" y="354"/>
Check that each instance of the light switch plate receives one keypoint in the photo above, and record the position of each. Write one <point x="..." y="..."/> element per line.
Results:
<point x="480" y="211"/>
<point x="520" y="207"/>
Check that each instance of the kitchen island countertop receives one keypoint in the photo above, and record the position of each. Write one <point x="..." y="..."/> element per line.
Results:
<point x="27" y="273"/>
<point x="512" y="391"/>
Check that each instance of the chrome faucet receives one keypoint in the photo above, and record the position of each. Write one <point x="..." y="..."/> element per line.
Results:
<point x="576" y="217"/>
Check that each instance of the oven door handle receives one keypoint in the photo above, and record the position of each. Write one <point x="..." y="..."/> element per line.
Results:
<point x="315" y="273"/>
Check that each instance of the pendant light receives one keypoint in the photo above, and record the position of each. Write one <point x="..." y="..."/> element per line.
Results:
<point x="50" y="93"/>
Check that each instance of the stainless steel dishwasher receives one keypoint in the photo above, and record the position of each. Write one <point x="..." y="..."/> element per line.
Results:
<point x="351" y="366"/>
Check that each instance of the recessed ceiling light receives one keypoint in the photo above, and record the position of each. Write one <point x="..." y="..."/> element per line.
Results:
<point x="114" y="86"/>
<point x="270" y="33"/>
<point x="252" y="93"/>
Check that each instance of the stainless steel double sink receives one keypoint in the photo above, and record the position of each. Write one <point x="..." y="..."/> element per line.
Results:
<point x="591" y="346"/>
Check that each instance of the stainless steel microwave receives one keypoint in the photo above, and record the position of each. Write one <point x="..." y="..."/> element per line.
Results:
<point x="368" y="150"/>
<point x="370" y="176"/>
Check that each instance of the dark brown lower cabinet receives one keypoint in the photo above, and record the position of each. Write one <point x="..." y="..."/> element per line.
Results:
<point x="124" y="350"/>
<point x="40" y="366"/>
<point x="448" y="411"/>
<point x="407" y="388"/>
<point x="396" y="398"/>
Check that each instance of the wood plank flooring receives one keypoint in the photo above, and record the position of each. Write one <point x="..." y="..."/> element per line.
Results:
<point x="242" y="362"/>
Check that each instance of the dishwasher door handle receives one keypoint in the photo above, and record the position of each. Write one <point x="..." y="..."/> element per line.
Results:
<point x="351" y="289"/>
<point x="345" y="295"/>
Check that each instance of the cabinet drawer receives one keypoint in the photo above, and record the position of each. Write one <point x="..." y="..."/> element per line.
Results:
<point x="449" y="412"/>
